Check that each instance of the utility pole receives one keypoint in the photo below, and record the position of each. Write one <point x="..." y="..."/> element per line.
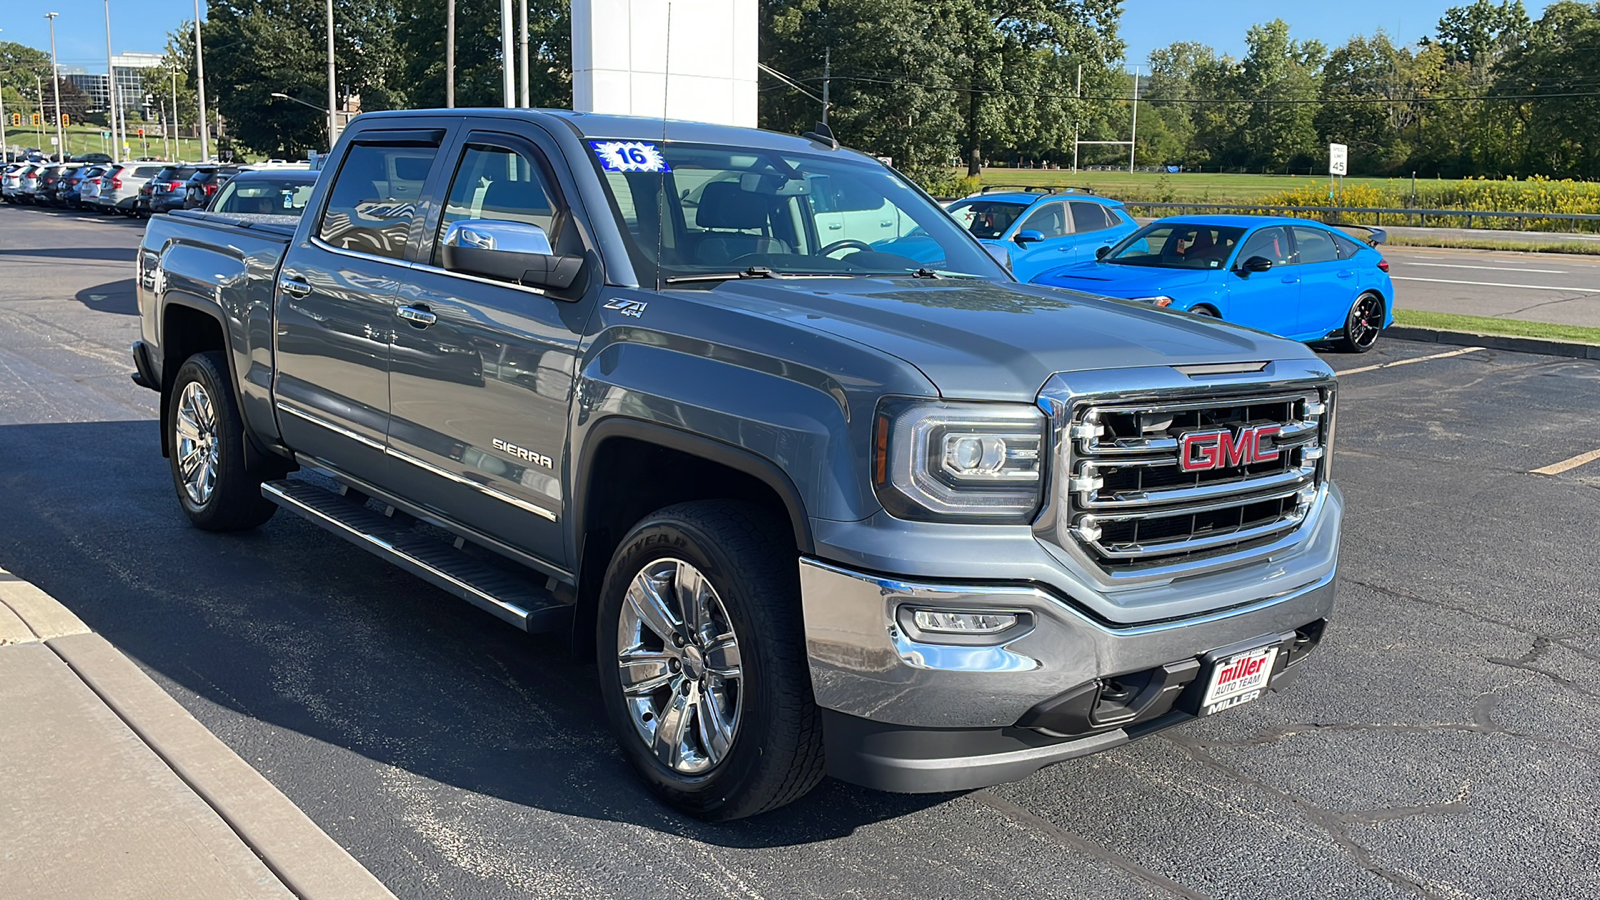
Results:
<point x="1133" y="137"/>
<point x="508" y="71"/>
<point x="1077" y="118"/>
<point x="827" y="54"/>
<point x="55" y="85"/>
<point x="111" y="87"/>
<point x="5" y="144"/>
<point x="333" y="102"/>
<point x="177" y="148"/>
<point x="450" y="55"/>
<point x="200" y="76"/>
<point x="38" y="85"/>
<point x="522" y="53"/>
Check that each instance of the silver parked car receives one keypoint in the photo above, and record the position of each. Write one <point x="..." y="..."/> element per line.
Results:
<point x="119" y="188"/>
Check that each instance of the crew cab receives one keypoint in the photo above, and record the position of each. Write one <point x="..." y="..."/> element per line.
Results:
<point x="813" y="506"/>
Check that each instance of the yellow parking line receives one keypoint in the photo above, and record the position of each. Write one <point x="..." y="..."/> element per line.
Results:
<point x="1565" y="464"/>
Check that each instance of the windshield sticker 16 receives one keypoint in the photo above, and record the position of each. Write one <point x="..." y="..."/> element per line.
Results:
<point x="629" y="156"/>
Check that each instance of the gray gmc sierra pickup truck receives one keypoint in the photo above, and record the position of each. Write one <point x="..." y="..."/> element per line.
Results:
<point x="823" y="488"/>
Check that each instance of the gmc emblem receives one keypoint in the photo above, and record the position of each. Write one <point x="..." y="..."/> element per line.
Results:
<point x="1202" y="451"/>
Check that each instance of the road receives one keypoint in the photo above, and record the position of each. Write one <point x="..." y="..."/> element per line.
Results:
<point x="1443" y="744"/>
<point x="1535" y="287"/>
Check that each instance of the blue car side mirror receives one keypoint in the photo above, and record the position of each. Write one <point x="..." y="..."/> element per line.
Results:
<point x="1029" y="237"/>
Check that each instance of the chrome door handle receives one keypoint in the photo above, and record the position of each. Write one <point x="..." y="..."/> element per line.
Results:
<point x="417" y="316"/>
<point x="294" y="286"/>
<point x="835" y="227"/>
<point x="1347" y="274"/>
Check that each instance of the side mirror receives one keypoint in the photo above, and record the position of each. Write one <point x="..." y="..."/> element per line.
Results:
<point x="1101" y="253"/>
<point x="1000" y="255"/>
<point x="1256" y="264"/>
<point x="512" y="251"/>
<point x="1029" y="237"/>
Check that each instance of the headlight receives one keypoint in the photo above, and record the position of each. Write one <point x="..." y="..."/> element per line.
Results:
<point x="963" y="461"/>
<point x="1159" y="300"/>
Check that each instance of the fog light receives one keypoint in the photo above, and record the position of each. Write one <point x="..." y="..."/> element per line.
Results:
<point x="938" y="621"/>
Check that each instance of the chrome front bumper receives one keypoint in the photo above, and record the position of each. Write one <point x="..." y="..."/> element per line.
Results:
<point x="903" y="712"/>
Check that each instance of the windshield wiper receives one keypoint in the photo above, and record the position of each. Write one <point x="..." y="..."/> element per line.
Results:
<point x="752" y="272"/>
<point x="925" y="272"/>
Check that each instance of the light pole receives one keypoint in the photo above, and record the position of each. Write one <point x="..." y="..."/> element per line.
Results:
<point x="333" y="102"/>
<point x="331" y="114"/>
<point x="111" y="89"/>
<point x="200" y="77"/>
<point x="177" y="148"/>
<point x="4" y="143"/>
<point x="450" y="54"/>
<point x="55" y="85"/>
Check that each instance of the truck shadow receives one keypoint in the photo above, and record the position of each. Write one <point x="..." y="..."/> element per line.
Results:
<point x="116" y="297"/>
<point x="296" y="630"/>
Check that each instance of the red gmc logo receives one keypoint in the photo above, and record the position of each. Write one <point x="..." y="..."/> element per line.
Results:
<point x="1201" y="451"/>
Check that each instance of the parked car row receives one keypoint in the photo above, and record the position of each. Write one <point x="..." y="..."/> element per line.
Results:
<point x="1292" y="277"/>
<point x="139" y="188"/>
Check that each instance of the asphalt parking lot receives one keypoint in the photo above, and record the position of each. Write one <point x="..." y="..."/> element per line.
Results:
<point x="1445" y="744"/>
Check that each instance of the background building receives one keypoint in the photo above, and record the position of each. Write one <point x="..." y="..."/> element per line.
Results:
<point x="130" y="85"/>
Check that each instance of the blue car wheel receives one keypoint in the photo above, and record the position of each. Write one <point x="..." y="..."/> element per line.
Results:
<point x="1362" y="324"/>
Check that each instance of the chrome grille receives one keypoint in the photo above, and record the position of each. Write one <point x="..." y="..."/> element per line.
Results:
<point x="1128" y="502"/>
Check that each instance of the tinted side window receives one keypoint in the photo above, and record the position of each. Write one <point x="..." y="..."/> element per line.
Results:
<point x="1049" y="220"/>
<point x="1313" y="245"/>
<point x="1347" y="247"/>
<point x="373" y="198"/>
<point x="1089" y="217"/>
<point x="1272" y="243"/>
<point x="500" y="184"/>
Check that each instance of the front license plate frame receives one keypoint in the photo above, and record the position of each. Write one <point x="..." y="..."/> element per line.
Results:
<point x="1238" y="679"/>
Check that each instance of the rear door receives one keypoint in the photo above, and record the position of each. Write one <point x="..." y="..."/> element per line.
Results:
<point x="482" y="373"/>
<point x="1328" y="284"/>
<point x="1267" y="300"/>
<point x="336" y="301"/>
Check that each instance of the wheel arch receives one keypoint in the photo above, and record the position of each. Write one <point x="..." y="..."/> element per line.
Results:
<point x="630" y="468"/>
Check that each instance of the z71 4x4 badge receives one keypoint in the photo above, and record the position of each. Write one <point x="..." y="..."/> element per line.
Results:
<point x="634" y="308"/>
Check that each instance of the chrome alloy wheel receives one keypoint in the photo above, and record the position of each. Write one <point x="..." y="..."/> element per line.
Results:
<point x="196" y="430"/>
<point x="1366" y="320"/>
<point x="678" y="657"/>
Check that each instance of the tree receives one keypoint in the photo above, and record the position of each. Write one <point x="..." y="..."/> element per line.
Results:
<point x="1360" y="82"/>
<point x="1562" y="132"/>
<point x="1281" y="75"/>
<point x="420" y="33"/>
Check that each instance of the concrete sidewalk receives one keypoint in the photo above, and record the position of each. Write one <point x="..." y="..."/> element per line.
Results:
<point x="109" y="788"/>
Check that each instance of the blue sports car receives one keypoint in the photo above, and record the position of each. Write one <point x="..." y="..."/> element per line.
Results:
<point x="1292" y="277"/>
<point x="1037" y="228"/>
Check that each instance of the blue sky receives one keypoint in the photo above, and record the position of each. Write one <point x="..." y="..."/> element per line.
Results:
<point x="141" y="25"/>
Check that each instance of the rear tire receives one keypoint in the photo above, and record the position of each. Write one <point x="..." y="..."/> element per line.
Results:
<point x="206" y="439"/>
<point x="1362" y="324"/>
<point x="703" y="667"/>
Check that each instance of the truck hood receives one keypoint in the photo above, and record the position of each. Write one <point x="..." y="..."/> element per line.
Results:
<point x="1125" y="281"/>
<point x="1000" y="340"/>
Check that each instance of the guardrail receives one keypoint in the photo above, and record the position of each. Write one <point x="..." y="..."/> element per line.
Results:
<point x="1575" y="222"/>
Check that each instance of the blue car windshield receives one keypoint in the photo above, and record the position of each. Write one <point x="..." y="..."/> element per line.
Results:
<point x="699" y="212"/>
<point x="1177" y="245"/>
<point x="986" y="219"/>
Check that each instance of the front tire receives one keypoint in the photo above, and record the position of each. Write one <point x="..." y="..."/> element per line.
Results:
<point x="703" y="669"/>
<point x="206" y="440"/>
<point x="1362" y="324"/>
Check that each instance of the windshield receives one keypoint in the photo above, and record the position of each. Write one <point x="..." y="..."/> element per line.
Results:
<point x="737" y="210"/>
<point x="986" y="219"/>
<point x="264" y="196"/>
<point x="1177" y="245"/>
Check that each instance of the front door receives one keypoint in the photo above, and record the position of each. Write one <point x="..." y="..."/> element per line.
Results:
<point x="1054" y="223"/>
<point x="1267" y="300"/>
<point x="480" y="393"/>
<point x="336" y="308"/>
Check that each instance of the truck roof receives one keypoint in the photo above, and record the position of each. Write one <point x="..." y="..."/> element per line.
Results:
<point x="635" y="128"/>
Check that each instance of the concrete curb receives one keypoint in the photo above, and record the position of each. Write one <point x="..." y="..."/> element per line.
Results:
<point x="1571" y="349"/>
<point x="309" y="863"/>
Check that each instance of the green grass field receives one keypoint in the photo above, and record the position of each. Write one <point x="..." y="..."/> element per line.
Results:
<point x="1189" y="187"/>
<point x="86" y="139"/>
<point x="1483" y="325"/>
